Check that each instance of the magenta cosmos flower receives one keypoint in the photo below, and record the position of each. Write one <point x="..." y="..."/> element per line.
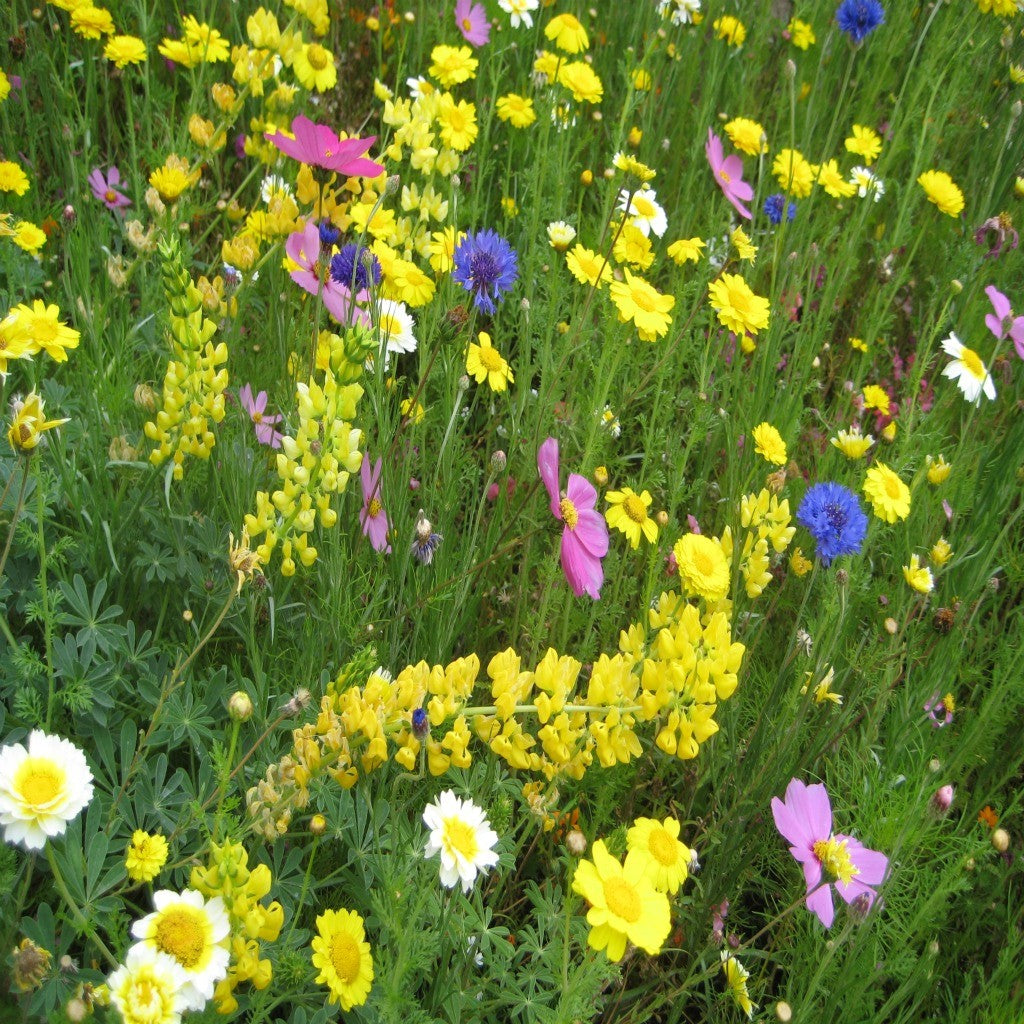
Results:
<point x="317" y="145"/>
<point x="372" y="516"/>
<point x="728" y="172"/>
<point x="311" y="273"/>
<point x="263" y="424"/>
<point x="472" y="22"/>
<point x="805" y="819"/>
<point x="1001" y="321"/>
<point x="585" y="537"/>
<point x="104" y="188"/>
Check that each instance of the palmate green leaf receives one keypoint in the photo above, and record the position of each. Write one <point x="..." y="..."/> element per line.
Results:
<point x="84" y="612"/>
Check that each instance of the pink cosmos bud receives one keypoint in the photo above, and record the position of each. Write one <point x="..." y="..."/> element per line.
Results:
<point x="414" y="484"/>
<point x="942" y="800"/>
<point x="692" y="523"/>
<point x="493" y="491"/>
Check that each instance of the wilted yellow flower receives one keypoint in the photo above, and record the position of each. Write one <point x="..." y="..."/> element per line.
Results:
<point x="29" y="423"/>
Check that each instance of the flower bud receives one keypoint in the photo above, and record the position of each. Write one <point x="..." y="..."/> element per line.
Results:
<point x="661" y="518"/>
<point x="784" y="1012"/>
<point x="393" y="185"/>
<point x="145" y="397"/>
<point x="576" y="841"/>
<point x="600" y="476"/>
<point x="318" y="824"/>
<point x="240" y="706"/>
<point x="1001" y="840"/>
<point x="498" y="461"/>
<point x="942" y="799"/>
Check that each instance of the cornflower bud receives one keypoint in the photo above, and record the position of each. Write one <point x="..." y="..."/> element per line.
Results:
<point x="498" y="461"/>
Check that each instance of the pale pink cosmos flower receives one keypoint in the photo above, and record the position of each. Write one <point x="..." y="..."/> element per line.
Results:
<point x="728" y="172"/>
<point x="263" y="424"/>
<point x="585" y="537"/>
<point x="805" y="819"/>
<point x="303" y="248"/>
<point x="1001" y="322"/>
<point x="318" y="146"/>
<point x="471" y="19"/>
<point x="372" y="517"/>
<point x="105" y="188"/>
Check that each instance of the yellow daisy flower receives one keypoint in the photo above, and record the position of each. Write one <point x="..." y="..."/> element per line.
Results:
<point x="146" y="855"/>
<point x="624" y="905"/>
<point x="942" y="191"/>
<point x="517" y="110"/>
<point x="565" y="31"/>
<point x="485" y="362"/>
<point x="667" y="860"/>
<point x="739" y="309"/>
<point x="703" y="567"/>
<point x="638" y="301"/>
<point x="343" y="958"/>
<point x="747" y="136"/>
<point x="588" y="267"/>
<point x="918" y="576"/>
<point x="769" y="445"/>
<point x="13" y="178"/>
<point x="864" y="142"/>
<point x="888" y="494"/>
<point x="124" y="50"/>
<point x="685" y="250"/>
<point x="628" y="513"/>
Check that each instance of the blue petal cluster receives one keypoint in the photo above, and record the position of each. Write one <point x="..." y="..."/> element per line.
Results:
<point x="486" y="265"/>
<point x="353" y="259"/>
<point x="775" y="205"/>
<point x="859" y="18"/>
<point x="833" y="515"/>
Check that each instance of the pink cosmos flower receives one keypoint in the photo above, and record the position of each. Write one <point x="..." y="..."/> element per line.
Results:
<point x="317" y="145"/>
<point x="805" y="819"/>
<point x="585" y="537"/>
<point x="1001" y="322"/>
<point x="728" y="172"/>
<point x="303" y="248"/>
<point x="372" y="516"/>
<point x="263" y="424"/>
<point x="104" y="188"/>
<point x="472" y="22"/>
<point x="937" y="706"/>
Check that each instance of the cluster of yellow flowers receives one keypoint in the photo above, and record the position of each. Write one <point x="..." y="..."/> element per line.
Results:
<point x="764" y="521"/>
<point x="228" y="876"/>
<point x="193" y="390"/>
<point x="669" y="677"/>
<point x="313" y="465"/>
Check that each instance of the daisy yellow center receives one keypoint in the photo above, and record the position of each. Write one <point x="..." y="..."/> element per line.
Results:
<point x="643" y="207"/>
<point x="345" y="957"/>
<point x="703" y="563"/>
<point x="835" y="859"/>
<point x="662" y="847"/>
<point x="490" y="358"/>
<point x="374" y="509"/>
<point x="110" y="195"/>
<point x="180" y="933"/>
<point x="569" y="514"/>
<point x="622" y="899"/>
<point x="972" y="361"/>
<point x="643" y="299"/>
<point x="892" y="487"/>
<point x="317" y="57"/>
<point x="739" y="301"/>
<point x="460" y="837"/>
<point x="634" y="508"/>
<point x="467" y="24"/>
<point x="44" y="331"/>
<point x="40" y="781"/>
<point x="724" y="176"/>
<point x="257" y="417"/>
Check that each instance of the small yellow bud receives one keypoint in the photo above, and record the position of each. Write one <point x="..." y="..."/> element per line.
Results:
<point x="600" y="476"/>
<point x="240" y="706"/>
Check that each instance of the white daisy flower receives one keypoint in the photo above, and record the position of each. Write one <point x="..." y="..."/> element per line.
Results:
<point x="867" y="184"/>
<point x="148" y="987"/>
<point x="395" y="326"/>
<point x="681" y="11"/>
<point x="644" y="211"/>
<point x="520" y="11"/>
<point x="461" y="833"/>
<point x="560" y="235"/>
<point x="275" y="187"/>
<point x="968" y="371"/>
<point x="194" y="932"/>
<point x="41" y="788"/>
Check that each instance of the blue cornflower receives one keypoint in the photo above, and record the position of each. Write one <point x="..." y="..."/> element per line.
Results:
<point x="351" y="259"/>
<point x="833" y="515"/>
<point x="329" y="234"/>
<point x="486" y="265"/>
<point x="775" y="205"/>
<point x="420" y="723"/>
<point x="859" y="18"/>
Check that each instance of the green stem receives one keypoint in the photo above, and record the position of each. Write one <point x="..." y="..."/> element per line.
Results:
<point x="84" y="925"/>
<point x="303" y="890"/>
<point x="51" y="679"/>
<point x="19" y="505"/>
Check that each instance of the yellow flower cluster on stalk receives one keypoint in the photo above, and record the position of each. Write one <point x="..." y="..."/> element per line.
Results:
<point x="552" y="719"/>
<point x="196" y="377"/>
<point x="229" y="876"/>
<point x="313" y="465"/>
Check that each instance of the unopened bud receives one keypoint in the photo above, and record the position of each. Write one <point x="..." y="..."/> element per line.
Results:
<point x="145" y="397"/>
<point x="76" y="1010"/>
<point x="661" y="518"/>
<point x="942" y="799"/>
<point x="955" y="286"/>
<point x="933" y="948"/>
<point x="576" y="841"/>
<point x="790" y="69"/>
<point x="1001" y="840"/>
<point x="783" y="1011"/>
<point x="186" y="615"/>
<point x="240" y="706"/>
<point x="69" y="214"/>
<point x="318" y="824"/>
<point x="600" y="476"/>
<point x="498" y="461"/>
<point x="891" y="626"/>
<point x="393" y="185"/>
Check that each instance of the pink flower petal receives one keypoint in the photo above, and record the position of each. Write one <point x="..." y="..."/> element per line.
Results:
<point x="592" y="531"/>
<point x="820" y="903"/>
<point x="581" y="569"/>
<point x="547" y="466"/>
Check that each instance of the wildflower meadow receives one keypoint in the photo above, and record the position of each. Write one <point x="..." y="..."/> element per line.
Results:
<point x="511" y="511"/>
